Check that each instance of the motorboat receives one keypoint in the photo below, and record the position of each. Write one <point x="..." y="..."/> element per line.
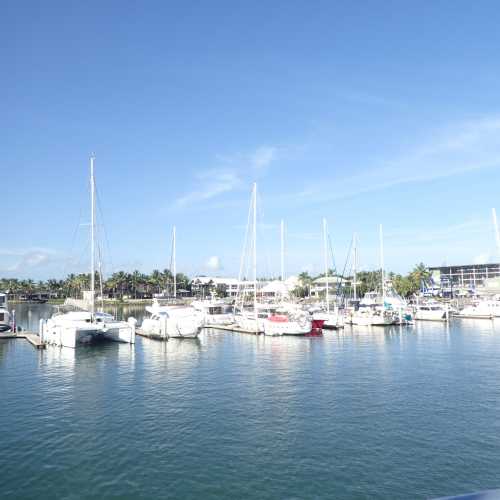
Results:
<point x="431" y="311"/>
<point x="215" y="312"/>
<point x="392" y="302"/>
<point x="372" y="315"/>
<point x="288" y="320"/>
<point x="332" y="320"/>
<point x="172" y="321"/>
<point x="479" y="309"/>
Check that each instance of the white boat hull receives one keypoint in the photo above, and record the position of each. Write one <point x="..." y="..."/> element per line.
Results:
<point x="431" y="315"/>
<point x="365" y="320"/>
<point x="276" y="328"/>
<point x="218" y="319"/>
<point x="66" y="333"/>
<point x="331" y="320"/>
<point x="178" y="328"/>
<point x="250" y="325"/>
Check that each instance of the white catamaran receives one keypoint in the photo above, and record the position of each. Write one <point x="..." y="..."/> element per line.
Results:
<point x="79" y="327"/>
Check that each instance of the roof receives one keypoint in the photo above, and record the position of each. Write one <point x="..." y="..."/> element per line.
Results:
<point x="323" y="280"/>
<point x="204" y="280"/>
<point x="276" y="287"/>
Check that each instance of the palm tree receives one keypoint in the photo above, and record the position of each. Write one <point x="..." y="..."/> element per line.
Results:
<point x="136" y="279"/>
<point x="155" y="280"/>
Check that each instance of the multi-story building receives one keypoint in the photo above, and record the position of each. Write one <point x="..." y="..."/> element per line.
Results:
<point x="464" y="276"/>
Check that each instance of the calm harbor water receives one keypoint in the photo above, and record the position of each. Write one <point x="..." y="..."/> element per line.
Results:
<point x="409" y="412"/>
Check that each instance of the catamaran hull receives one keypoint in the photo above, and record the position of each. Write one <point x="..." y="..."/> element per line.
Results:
<point x="72" y="336"/>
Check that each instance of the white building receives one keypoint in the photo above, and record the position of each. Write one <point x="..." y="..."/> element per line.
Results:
<point x="207" y="285"/>
<point x="318" y="286"/>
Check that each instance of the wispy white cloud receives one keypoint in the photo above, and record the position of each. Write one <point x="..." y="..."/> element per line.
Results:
<point x="453" y="150"/>
<point x="235" y="172"/>
<point x="20" y="260"/>
<point x="212" y="183"/>
<point x="262" y="157"/>
<point x="213" y="263"/>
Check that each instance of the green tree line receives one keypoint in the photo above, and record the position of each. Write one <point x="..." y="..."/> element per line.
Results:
<point x="137" y="284"/>
<point x="369" y="281"/>
<point x="119" y="284"/>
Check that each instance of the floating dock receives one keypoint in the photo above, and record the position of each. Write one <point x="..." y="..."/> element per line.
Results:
<point x="32" y="338"/>
<point x="232" y="328"/>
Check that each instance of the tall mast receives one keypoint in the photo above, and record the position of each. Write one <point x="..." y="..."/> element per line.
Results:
<point x="325" y="256"/>
<point x="381" y="236"/>
<point x="255" y="251"/>
<point x="495" y="227"/>
<point x="174" y="264"/>
<point x="355" y="266"/>
<point x="282" y="250"/>
<point x="92" y="238"/>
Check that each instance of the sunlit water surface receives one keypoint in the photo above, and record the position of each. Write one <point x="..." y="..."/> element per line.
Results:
<point x="382" y="413"/>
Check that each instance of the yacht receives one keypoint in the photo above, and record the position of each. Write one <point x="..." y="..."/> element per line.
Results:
<point x="479" y="309"/>
<point x="288" y="319"/>
<point x="392" y="303"/>
<point x="5" y="324"/>
<point x="215" y="312"/>
<point x="170" y="320"/>
<point x="79" y="327"/>
<point x="332" y="320"/>
<point x="371" y="315"/>
<point x="431" y="311"/>
<point x="252" y="318"/>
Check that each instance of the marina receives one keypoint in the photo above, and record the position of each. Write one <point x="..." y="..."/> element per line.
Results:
<point x="250" y="250"/>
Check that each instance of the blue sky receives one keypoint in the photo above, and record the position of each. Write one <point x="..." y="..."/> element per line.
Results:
<point x="364" y="113"/>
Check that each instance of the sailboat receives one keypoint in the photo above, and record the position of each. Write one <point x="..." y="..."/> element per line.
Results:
<point x="80" y="327"/>
<point x="249" y="320"/>
<point x="270" y="319"/>
<point x="332" y="317"/>
<point x="372" y="309"/>
<point x="169" y="319"/>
